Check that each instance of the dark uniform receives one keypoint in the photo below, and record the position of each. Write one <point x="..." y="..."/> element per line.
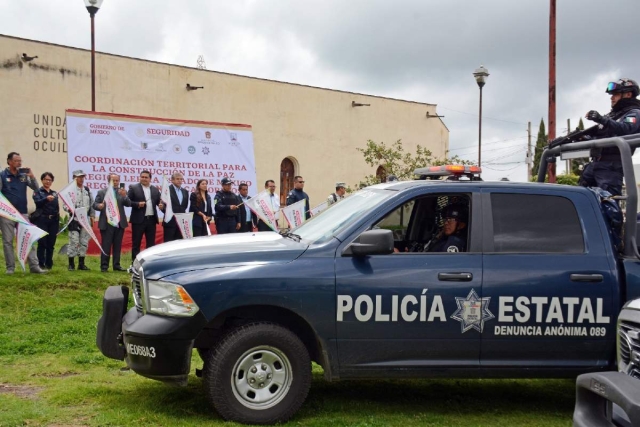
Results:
<point x="605" y="169"/>
<point x="227" y="219"/>
<point x="456" y="242"/>
<point x="49" y="221"/>
<point x="295" y="196"/>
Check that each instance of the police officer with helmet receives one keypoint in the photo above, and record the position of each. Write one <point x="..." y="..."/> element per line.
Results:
<point x="605" y="169"/>
<point x="453" y="236"/>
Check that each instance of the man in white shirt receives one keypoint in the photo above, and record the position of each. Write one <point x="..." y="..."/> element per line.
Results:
<point x="144" y="217"/>
<point x="274" y="203"/>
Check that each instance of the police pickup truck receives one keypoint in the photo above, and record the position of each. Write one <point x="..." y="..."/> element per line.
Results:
<point x="530" y="288"/>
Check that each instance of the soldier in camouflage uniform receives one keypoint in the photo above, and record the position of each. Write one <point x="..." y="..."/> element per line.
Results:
<point x="78" y="236"/>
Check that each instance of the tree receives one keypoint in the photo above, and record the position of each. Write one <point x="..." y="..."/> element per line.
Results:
<point x="577" y="163"/>
<point x="541" y="144"/>
<point x="395" y="161"/>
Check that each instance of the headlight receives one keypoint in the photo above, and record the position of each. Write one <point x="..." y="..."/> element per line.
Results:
<point x="168" y="299"/>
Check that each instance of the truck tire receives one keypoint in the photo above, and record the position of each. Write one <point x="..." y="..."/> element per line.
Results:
<point x="259" y="373"/>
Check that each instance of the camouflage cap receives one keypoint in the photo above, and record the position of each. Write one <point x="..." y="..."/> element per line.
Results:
<point x="78" y="172"/>
<point x="341" y="185"/>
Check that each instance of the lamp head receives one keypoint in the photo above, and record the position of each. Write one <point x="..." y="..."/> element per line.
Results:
<point x="93" y="6"/>
<point x="481" y="75"/>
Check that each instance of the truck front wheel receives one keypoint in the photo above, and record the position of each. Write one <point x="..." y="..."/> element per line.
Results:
<point x="259" y="373"/>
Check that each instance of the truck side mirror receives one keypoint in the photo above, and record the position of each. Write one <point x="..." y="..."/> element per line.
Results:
<point x="371" y="242"/>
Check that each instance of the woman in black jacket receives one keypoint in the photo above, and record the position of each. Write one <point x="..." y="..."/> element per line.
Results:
<point x="200" y="205"/>
<point x="47" y="218"/>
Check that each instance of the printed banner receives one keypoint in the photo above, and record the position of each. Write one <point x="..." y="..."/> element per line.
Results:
<point x="83" y="218"/>
<point x="27" y="235"/>
<point x="7" y="210"/>
<point x="68" y="195"/>
<point x="294" y="214"/>
<point x="103" y="143"/>
<point x="165" y="196"/>
<point x="185" y="224"/>
<point x="260" y="206"/>
<point x="321" y="207"/>
<point x="111" y="206"/>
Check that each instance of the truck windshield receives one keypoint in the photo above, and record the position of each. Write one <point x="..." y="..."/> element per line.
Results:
<point x="325" y="225"/>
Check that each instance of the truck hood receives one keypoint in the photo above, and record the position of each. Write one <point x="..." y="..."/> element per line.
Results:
<point x="225" y="250"/>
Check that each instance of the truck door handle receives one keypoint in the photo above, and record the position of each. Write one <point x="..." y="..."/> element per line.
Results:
<point x="455" y="277"/>
<point x="587" y="278"/>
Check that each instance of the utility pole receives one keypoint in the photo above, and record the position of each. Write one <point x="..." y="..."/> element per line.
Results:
<point x="551" y="169"/>
<point x="529" y="153"/>
<point x="568" y="160"/>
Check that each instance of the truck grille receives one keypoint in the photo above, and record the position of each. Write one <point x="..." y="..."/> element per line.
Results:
<point x="630" y="347"/>
<point x="136" y="285"/>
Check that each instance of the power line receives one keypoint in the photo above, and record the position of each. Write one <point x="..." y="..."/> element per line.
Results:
<point x="486" y="151"/>
<point x="489" y="143"/>
<point x="484" y="117"/>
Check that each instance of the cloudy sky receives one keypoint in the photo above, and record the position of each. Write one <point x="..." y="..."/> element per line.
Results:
<point x="419" y="50"/>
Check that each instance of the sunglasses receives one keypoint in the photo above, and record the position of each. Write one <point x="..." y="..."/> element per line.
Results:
<point x="300" y="182"/>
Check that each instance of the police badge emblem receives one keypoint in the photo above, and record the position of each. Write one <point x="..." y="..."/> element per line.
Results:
<point x="472" y="312"/>
<point x="452" y="249"/>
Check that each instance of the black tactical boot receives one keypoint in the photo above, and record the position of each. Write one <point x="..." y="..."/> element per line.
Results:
<point x="72" y="264"/>
<point x="81" y="265"/>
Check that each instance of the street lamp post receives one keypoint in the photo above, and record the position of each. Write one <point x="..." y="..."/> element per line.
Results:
<point x="481" y="75"/>
<point x="93" y="6"/>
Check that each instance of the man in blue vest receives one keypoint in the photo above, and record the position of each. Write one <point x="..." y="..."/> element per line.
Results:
<point x="14" y="181"/>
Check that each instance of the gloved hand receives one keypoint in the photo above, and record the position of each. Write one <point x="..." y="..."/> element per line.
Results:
<point x="594" y="116"/>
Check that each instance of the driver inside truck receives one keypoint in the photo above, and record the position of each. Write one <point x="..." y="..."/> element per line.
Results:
<point x="453" y="235"/>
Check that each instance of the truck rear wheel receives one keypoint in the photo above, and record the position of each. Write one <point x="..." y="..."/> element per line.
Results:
<point x="258" y="374"/>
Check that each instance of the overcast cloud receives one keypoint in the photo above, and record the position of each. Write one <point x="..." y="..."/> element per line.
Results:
<point x="419" y="50"/>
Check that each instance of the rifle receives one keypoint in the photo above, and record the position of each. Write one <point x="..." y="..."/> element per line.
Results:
<point x="575" y="136"/>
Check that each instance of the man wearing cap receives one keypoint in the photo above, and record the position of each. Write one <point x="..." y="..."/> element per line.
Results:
<point x="179" y="203"/>
<point x="453" y="236"/>
<point x="112" y="235"/>
<point x="605" y="169"/>
<point x="228" y="216"/>
<point x="298" y="194"/>
<point x="14" y="181"/>
<point x="78" y="236"/>
<point x="338" y="195"/>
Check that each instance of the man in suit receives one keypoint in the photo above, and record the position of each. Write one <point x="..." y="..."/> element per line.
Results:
<point x="179" y="203"/>
<point x="111" y="236"/>
<point x="247" y="217"/>
<point x="144" y="217"/>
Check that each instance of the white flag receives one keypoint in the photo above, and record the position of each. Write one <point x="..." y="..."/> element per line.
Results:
<point x="165" y="196"/>
<point x="111" y="206"/>
<point x="68" y="196"/>
<point x="319" y="208"/>
<point x="7" y="210"/>
<point x="294" y="214"/>
<point x="83" y="218"/>
<point x="261" y="207"/>
<point x="27" y="235"/>
<point x="185" y="224"/>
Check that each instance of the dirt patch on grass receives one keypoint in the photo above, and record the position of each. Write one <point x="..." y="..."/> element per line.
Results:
<point x="24" y="391"/>
<point x="56" y="374"/>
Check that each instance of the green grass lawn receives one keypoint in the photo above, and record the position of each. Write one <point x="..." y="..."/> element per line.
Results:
<point x="52" y="374"/>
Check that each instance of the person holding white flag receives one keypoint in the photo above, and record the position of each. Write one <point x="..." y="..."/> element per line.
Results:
<point x="177" y="200"/>
<point x="14" y="181"/>
<point x="295" y="214"/>
<point x="76" y="195"/>
<point x="110" y="202"/>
